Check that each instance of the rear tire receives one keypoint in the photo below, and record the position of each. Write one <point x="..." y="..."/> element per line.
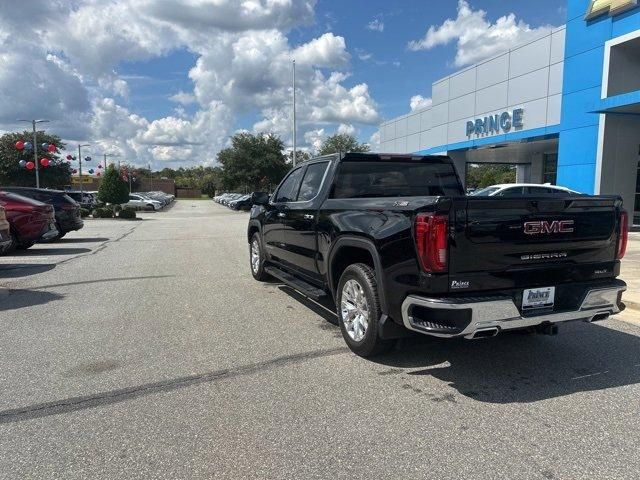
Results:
<point x="359" y="311"/>
<point x="256" y="258"/>
<point x="25" y="245"/>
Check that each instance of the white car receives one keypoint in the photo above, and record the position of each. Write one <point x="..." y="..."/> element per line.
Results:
<point x="138" y="201"/>
<point x="523" y="189"/>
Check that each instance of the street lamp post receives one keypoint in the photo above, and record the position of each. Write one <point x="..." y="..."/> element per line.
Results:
<point x="294" y="113"/>
<point x="80" y="164"/>
<point x="35" y="147"/>
<point x="105" y="155"/>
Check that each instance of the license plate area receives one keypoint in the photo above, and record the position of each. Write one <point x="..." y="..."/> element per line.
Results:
<point x="536" y="298"/>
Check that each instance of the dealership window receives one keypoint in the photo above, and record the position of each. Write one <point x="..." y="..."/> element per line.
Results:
<point x="550" y="168"/>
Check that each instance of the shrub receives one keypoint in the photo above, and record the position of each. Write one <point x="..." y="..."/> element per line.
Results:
<point x="127" y="213"/>
<point x="84" y="212"/>
<point x="102" y="213"/>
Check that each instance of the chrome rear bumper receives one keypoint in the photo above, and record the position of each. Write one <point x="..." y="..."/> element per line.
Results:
<point x="498" y="314"/>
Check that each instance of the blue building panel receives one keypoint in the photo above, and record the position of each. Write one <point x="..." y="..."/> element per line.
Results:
<point x="583" y="71"/>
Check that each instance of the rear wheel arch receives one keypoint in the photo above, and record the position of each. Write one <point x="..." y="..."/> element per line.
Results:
<point x="351" y="250"/>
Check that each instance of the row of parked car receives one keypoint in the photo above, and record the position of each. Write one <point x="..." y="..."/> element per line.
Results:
<point x="240" y="201"/>
<point x="30" y="215"/>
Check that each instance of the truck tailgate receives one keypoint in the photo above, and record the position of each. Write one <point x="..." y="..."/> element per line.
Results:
<point x="532" y="241"/>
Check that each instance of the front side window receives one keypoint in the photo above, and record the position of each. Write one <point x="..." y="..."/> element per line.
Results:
<point x="312" y="181"/>
<point x="288" y="191"/>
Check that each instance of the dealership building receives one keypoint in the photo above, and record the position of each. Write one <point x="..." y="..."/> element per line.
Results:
<point x="564" y="108"/>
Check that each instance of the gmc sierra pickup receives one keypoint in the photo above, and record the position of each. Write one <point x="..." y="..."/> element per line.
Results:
<point x="398" y="246"/>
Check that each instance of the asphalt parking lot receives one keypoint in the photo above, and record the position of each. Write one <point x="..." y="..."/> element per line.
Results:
<point x="145" y="349"/>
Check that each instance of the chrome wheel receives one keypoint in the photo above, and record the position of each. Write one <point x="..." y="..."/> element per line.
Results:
<point x="255" y="255"/>
<point x="355" y="310"/>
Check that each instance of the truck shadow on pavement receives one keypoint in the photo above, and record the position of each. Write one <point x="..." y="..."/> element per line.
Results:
<point x="521" y="368"/>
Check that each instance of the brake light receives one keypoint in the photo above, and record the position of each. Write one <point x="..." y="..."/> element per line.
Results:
<point x="68" y="206"/>
<point x="431" y="233"/>
<point x="624" y="234"/>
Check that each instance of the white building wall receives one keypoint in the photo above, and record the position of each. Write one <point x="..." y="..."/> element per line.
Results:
<point x="528" y="77"/>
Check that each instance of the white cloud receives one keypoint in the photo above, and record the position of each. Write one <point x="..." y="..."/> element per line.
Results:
<point x="476" y="38"/>
<point x="68" y="55"/>
<point x="374" y="141"/>
<point x="346" y="129"/>
<point x="183" y="98"/>
<point x="418" y="102"/>
<point x="363" y="54"/>
<point x="315" y="138"/>
<point x="376" y="25"/>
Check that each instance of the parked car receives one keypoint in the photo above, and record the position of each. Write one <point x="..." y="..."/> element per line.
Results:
<point x="394" y="241"/>
<point x="522" y="189"/>
<point x="163" y="198"/>
<point x="138" y="201"/>
<point x="67" y="210"/>
<point x="29" y="220"/>
<point x="5" y="231"/>
<point x="86" y="200"/>
<point x="247" y="201"/>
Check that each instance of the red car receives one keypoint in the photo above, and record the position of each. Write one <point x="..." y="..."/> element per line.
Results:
<point x="5" y="232"/>
<point x="29" y="220"/>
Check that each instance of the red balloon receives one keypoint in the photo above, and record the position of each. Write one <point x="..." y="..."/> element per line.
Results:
<point x="51" y="148"/>
<point x="69" y="157"/>
<point x="44" y="162"/>
<point x="20" y="145"/>
<point x="75" y="171"/>
<point x="98" y="174"/>
<point x="31" y="165"/>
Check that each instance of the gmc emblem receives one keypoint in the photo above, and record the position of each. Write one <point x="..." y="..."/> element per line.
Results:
<point x="544" y="227"/>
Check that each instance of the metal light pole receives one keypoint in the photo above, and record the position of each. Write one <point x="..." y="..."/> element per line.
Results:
<point x="35" y="147"/>
<point x="150" y="178"/>
<point x="105" y="155"/>
<point x="294" y="113"/>
<point x="80" y="164"/>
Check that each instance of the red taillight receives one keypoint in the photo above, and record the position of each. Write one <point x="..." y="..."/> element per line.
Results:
<point x="69" y="206"/>
<point x="432" y="242"/>
<point x="624" y="234"/>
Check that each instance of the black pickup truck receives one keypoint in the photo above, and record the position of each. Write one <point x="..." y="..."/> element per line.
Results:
<point x="398" y="246"/>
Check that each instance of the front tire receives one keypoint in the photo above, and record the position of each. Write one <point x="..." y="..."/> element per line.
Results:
<point x="359" y="311"/>
<point x="256" y="258"/>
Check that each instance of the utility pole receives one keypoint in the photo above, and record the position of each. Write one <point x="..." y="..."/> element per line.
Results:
<point x="105" y="155"/>
<point x="294" y="113"/>
<point x="150" y="178"/>
<point x="80" y="165"/>
<point x="35" y="147"/>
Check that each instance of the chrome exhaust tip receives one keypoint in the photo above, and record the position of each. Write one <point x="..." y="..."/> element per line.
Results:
<point x="485" y="333"/>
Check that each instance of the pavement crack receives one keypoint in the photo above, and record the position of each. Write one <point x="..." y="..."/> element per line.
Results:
<point x="58" y="407"/>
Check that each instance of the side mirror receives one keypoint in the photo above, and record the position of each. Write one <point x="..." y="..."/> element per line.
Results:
<point x="260" y="198"/>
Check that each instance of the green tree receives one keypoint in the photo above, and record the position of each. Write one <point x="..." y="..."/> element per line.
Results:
<point x="113" y="189"/>
<point x="301" y="156"/>
<point x="342" y="143"/>
<point x="485" y="175"/>
<point x="57" y="174"/>
<point x="253" y="161"/>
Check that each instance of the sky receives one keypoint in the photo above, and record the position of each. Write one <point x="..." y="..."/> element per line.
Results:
<point x="168" y="82"/>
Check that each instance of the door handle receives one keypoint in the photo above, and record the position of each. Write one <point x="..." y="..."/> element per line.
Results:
<point x="282" y="214"/>
<point x="308" y="216"/>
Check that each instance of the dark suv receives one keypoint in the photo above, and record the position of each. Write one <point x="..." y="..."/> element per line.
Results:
<point x="67" y="210"/>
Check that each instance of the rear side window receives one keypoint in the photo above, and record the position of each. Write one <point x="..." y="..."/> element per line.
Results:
<point x="288" y="191"/>
<point x="395" y="179"/>
<point x="512" y="192"/>
<point x="312" y="181"/>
